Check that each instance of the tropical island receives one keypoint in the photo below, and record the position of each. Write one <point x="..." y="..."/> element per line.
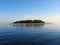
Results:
<point x="29" y="21"/>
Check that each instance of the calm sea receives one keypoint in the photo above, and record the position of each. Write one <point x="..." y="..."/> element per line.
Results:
<point x="43" y="34"/>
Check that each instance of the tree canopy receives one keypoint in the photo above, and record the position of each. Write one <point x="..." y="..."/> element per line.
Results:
<point x="30" y="21"/>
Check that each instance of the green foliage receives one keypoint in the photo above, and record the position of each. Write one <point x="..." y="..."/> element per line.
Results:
<point x="30" y="21"/>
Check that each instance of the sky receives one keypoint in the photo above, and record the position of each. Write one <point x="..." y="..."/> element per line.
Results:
<point x="47" y="10"/>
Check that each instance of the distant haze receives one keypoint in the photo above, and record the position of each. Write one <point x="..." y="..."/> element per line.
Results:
<point x="53" y="19"/>
<point x="13" y="10"/>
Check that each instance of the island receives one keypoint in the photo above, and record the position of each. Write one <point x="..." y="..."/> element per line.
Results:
<point x="29" y="21"/>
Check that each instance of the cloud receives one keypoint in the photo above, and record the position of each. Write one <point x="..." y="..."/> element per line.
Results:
<point x="31" y="17"/>
<point x="48" y="19"/>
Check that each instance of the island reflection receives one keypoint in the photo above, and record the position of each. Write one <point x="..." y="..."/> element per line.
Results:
<point x="28" y="24"/>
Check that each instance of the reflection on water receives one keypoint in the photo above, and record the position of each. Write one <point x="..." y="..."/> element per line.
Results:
<point x="30" y="34"/>
<point x="28" y="24"/>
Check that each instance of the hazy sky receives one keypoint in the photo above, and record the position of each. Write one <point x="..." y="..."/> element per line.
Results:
<point x="12" y="10"/>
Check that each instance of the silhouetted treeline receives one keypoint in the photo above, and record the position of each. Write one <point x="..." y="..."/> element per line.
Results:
<point x="30" y="21"/>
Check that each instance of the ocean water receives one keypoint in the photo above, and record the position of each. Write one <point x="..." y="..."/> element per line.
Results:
<point x="43" y="34"/>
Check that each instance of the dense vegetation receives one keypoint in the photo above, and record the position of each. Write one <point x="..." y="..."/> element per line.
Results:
<point x="30" y="21"/>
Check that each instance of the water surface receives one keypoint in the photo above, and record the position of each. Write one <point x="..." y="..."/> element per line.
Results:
<point x="46" y="34"/>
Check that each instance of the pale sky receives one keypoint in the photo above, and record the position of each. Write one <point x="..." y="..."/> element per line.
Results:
<point x="47" y="10"/>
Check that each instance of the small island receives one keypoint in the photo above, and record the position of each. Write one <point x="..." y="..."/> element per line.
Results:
<point x="29" y="21"/>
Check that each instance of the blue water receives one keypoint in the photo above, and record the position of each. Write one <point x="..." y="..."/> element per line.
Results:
<point x="46" y="34"/>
